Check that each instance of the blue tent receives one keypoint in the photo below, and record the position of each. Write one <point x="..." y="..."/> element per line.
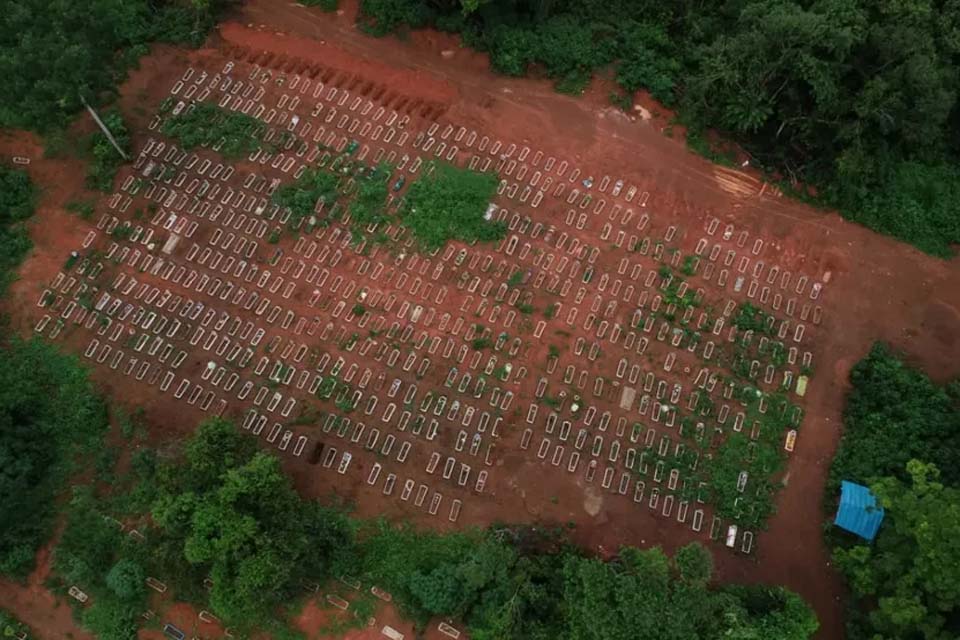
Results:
<point x="859" y="512"/>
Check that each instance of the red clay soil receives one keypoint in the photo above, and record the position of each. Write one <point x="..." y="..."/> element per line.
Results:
<point x="49" y="617"/>
<point x="878" y="289"/>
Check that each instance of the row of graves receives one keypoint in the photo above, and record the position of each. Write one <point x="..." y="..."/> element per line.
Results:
<point x="664" y="364"/>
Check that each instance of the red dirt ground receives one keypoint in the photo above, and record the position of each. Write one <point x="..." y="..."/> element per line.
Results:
<point x="879" y="289"/>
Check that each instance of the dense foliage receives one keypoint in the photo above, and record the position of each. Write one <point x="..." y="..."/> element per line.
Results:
<point x="445" y="203"/>
<point x="301" y="196"/>
<point x="223" y="510"/>
<point x="109" y="566"/>
<point x="450" y="203"/>
<point x="53" y="52"/>
<point x="855" y="97"/>
<point x="48" y="412"/>
<point x="17" y="195"/>
<point x="203" y="124"/>
<point x="9" y="626"/>
<point x="528" y="584"/>
<point x="369" y="204"/>
<point x="219" y="510"/>
<point x="895" y="413"/>
<point x="324" y="5"/>
<point x="105" y="161"/>
<point x="235" y="518"/>
<point x="908" y="582"/>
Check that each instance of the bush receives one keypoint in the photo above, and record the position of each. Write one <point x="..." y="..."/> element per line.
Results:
<point x="369" y="203"/>
<point x="323" y="5"/>
<point x="83" y="208"/>
<point x="301" y="197"/>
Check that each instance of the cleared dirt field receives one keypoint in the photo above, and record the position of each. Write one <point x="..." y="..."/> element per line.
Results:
<point x="428" y="441"/>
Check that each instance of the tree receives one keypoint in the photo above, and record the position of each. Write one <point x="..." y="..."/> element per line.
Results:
<point x="895" y="413"/>
<point x="694" y="563"/>
<point x="230" y="513"/>
<point x="215" y="448"/>
<point x="111" y="619"/>
<point x="55" y="52"/>
<point x="855" y="98"/>
<point x="126" y="580"/>
<point x="911" y="572"/>
<point x="17" y="199"/>
<point x="48" y="412"/>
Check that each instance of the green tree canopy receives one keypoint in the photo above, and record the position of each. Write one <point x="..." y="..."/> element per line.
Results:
<point x="48" y="411"/>
<point x="126" y="579"/>
<point x="908" y="581"/>
<point x="55" y="52"/>
<point x="855" y="97"/>
<point x="895" y="413"/>
<point x="234" y="515"/>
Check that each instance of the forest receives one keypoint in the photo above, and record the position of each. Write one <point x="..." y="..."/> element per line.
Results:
<point x="902" y="439"/>
<point x="217" y="507"/>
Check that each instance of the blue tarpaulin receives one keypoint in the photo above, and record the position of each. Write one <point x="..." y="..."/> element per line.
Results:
<point x="859" y="512"/>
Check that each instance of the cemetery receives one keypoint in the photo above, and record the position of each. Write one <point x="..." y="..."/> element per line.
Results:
<point x="259" y="260"/>
<point x="418" y="319"/>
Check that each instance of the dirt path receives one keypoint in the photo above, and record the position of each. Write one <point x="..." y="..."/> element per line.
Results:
<point x="33" y="604"/>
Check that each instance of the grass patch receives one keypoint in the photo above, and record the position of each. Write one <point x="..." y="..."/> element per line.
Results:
<point x="450" y="203"/>
<point x="302" y="196"/>
<point x="208" y="125"/>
